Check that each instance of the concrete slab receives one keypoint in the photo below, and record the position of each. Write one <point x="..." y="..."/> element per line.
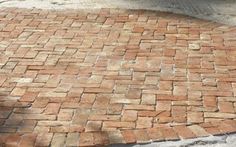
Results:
<point x="211" y="141"/>
<point x="222" y="11"/>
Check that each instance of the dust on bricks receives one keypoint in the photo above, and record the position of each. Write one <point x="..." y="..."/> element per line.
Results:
<point x="90" y="78"/>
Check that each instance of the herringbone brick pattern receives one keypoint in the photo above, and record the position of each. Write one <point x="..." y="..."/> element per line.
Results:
<point x="90" y="78"/>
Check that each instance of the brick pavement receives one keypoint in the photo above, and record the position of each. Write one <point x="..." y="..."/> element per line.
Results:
<point x="93" y="78"/>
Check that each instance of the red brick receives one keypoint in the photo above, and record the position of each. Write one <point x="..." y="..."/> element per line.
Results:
<point x="184" y="132"/>
<point x="93" y="126"/>
<point x="169" y="52"/>
<point x="58" y="139"/>
<point x="142" y="136"/>
<point x="155" y="134"/>
<point x="148" y="99"/>
<point x="169" y="133"/>
<point x="73" y="139"/>
<point x="43" y="139"/>
<point x="198" y="131"/>
<point x="18" y="92"/>
<point x="138" y="30"/>
<point x="151" y="80"/>
<point x="114" y="124"/>
<point x="12" y="140"/>
<point x="134" y="94"/>
<point x="179" y="114"/>
<point x="129" y="136"/>
<point x="171" y="97"/>
<point x="165" y="85"/>
<point x="115" y="137"/>
<point x="100" y="138"/>
<point x="28" y="140"/>
<point x="195" y="117"/>
<point x="144" y="122"/>
<point x="65" y="114"/>
<point x="52" y="108"/>
<point x="226" y="107"/>
<point x="149" y="113"/>
<point x="104" y="117"/>
<point x="5" y="112"/>
<point x="129" y="115"/>
<point x="130" y="85"/>
<point x="28" y="97"/>
<point x="139" y="107"/>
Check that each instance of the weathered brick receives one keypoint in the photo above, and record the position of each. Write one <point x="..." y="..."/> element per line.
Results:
<point x="93" y="126"/>
<point x="198" y="131"/>
<point x="195" y="117"/>
<point x="12" y="140"/>
<point x="72" y="139"/>
<point x="43" y="139"/>
<point x="129" y="115"/>
<point x="52" y="108"/>
<point x="28" y="97"/>
<point x="169" y="52"/>
<point x="58" y="139"/>
<point x="151" y="80"/>
<point x="128" y="136"/>
<point x="5" y="112"/>
<point x="226" y="107"/>
<point x="134" y="94"/>
<point x="144" y="122"/>
<point x="179" y="114"/>
<point x="115" y="124"/>
<point x="148" y="99"/>
<point x="169" y="133"/>
<point x="184" y="132"/>
<point x="18" y="92"/>
<point x="139" y="107"/>
<point x="115" y="137"/>
<point x="65" y="114"/>
<point x="134" y="84"/>
<point x="155" y="134"/>
<point x="100" y="138"/>
<point x="171" y="97"/>
<point x="141" y="136"/>
<point x="219" y="115"/>
<point x="86" y="139"/>
<point x="28" y="140"/>
<point x="27" y="126"/>
<point x="103" y="117"/>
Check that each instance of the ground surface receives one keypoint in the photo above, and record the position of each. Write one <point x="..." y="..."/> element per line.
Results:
<point x="211" y="141"/>
<point x="111" y="76"/>
<point x="222" y="11"/>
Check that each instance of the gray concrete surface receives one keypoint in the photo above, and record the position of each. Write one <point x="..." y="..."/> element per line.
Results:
<point x="211" y="141"/>
<point x="222" y="11"/>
